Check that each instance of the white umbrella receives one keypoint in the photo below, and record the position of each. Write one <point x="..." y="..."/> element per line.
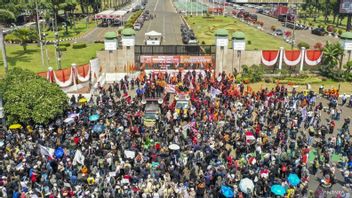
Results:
<point x="246" y="185"/>
<point x="69" y="120"/>
<point x="174" y="147"/>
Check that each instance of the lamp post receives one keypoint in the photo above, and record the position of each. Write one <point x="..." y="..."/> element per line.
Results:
<point x="58" y="52"/>
<point x="2" y="115"/>
<point x="346" y="42"/>
<point x="239" y="45"/>
<point x="3" y="49"/>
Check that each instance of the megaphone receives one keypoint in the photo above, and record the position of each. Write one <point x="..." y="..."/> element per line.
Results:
<point x="144" y="102"/>
<point x="160" y="101"/>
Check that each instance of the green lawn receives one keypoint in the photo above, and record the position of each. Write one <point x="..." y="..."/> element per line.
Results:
<point x="31" y="58"/>
<point x="81" y="29"/>
<point x="204" y="29"/>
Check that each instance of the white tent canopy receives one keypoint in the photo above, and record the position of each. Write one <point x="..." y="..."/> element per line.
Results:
<point x="110" y="14"/>
<point x="153" y="33"/>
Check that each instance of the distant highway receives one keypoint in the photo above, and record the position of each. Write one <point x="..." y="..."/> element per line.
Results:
<point x="167" y="22"/>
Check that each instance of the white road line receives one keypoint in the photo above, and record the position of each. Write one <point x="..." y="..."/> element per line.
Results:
<point x="156" y="5"/>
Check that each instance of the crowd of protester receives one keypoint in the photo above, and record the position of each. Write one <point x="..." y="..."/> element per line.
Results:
<point x="229" y="134"/>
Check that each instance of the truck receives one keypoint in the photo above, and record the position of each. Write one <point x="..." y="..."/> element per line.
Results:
<point x="152" y="111"/>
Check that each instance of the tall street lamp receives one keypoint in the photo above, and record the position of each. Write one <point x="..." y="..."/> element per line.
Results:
<point x="58" y="51"/>
<point x="3" y="49"/>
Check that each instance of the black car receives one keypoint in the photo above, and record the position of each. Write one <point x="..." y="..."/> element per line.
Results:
<point x="260" y="10"/>
<point x="319" y="32"/>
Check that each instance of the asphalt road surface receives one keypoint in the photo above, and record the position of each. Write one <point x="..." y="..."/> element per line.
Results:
<point x="167" y="22"/>
<point x="300" y="35"/>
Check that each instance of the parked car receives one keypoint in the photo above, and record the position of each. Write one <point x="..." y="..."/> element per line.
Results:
<point x="294" y="26"/>
<point x="278" y="32"/>
<point x="137" y="26"/>
<point x="260" y="11"/>
<point x="319" y="32"/>
<point x="116" y="22"/>
<point x="104" y="23"/>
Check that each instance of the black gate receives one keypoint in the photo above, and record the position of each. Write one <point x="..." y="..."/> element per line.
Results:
<point x="173" y="50"/>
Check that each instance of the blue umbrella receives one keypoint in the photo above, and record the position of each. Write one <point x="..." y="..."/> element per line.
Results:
<point x="94" y="117"/>
<point x="278" y="190"/>
<point x="98" y="128"/>
<point x="59" y="152"/>
<point x="227" y="191"/>
<point x="293" y="179"/>
<point x="350" y="164"/>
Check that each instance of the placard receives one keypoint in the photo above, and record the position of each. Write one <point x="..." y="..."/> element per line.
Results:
<point x="346" y="6"/>
<point x="110" y="44"/>
<point x="239" y="45"/>
<point x="222" y="42"/>
<point x="347" y="45"/>
<point x="128" y="41"/>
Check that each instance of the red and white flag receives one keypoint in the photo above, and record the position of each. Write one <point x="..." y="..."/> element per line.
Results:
<point x="249" y="137"/>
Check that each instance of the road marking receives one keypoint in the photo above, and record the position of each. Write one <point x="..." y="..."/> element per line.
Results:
<point x="156" y="5"/>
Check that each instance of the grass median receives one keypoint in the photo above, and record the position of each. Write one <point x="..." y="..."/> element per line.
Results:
<point x="204" y="28"/>
<point x="31" y="59"/>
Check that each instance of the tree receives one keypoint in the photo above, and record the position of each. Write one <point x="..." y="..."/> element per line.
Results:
<point x="348" y="67"/>
<point x="331" y="58"/>
<point x="25" y="36"/>
<point x="29" y="98"/>
<point x="6" y="16"/>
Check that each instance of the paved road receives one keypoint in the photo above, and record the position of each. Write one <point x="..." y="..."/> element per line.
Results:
<point x="300" y="35"/>
<point x="167" y="22"/>
<point x="97" y="34"/>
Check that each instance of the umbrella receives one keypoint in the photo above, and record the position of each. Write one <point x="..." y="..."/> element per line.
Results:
<point x="174" y="147"/>
<point x="98" y="128"/>
<point x="293" y="179"/>
<point x="82" y="100"/>
<point x="73" y="115"/>
<point x="278" y="190"/>
<point x="15" y="126"/>
<point x="246" y="185"/>
<point x="94" y="117"/>
<point x="350" y="164"/>
<point x="69" y="120"/>
<point x="59" y="152"/>
<point x="227" y="191"/>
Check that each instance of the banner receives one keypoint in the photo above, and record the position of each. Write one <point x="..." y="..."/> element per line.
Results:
<point x="346" y="6"/>
<point x="175" y="59"/>
<point x="160" y="59"/>
<point x="196" y="59"/>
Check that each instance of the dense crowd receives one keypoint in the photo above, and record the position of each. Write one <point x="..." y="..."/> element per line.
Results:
<point x="231" y="142"/>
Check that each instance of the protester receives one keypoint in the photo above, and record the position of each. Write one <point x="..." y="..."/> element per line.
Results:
<point x="231" y="142"/>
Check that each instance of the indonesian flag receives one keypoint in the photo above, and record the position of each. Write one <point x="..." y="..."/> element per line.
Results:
<point x="249" y="137"/>
<point x="46" y="151"/>
<point x="127" y="98"/>
<point x="305" y="156"/>
<point x="252" y="160"/>
<point x="264" y="173"/>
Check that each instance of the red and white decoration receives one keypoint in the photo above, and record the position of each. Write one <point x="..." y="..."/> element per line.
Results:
<point x="292" y="57"/>
<point x="67" y="77"/>
<point x="313" y="57"/>
<point x="264" y="173"/>
<point x="270" y="57"/>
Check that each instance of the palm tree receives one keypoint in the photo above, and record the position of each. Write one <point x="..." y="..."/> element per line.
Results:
<point x="331" y="56"/>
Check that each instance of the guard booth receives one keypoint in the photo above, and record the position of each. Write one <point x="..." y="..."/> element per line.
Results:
<point x="153" y="38"/>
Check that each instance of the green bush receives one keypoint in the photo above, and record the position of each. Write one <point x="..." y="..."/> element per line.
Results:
<point x="62" y="49"/>
<point x="249" y="42"/>
<point x="79" y="45"/>
<point x="12" y="38"/>
<point x="303" y="44"/>
<point x="268" y="80"/>
<point x="99" y="41"/>
<point x="66" y="44"/>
